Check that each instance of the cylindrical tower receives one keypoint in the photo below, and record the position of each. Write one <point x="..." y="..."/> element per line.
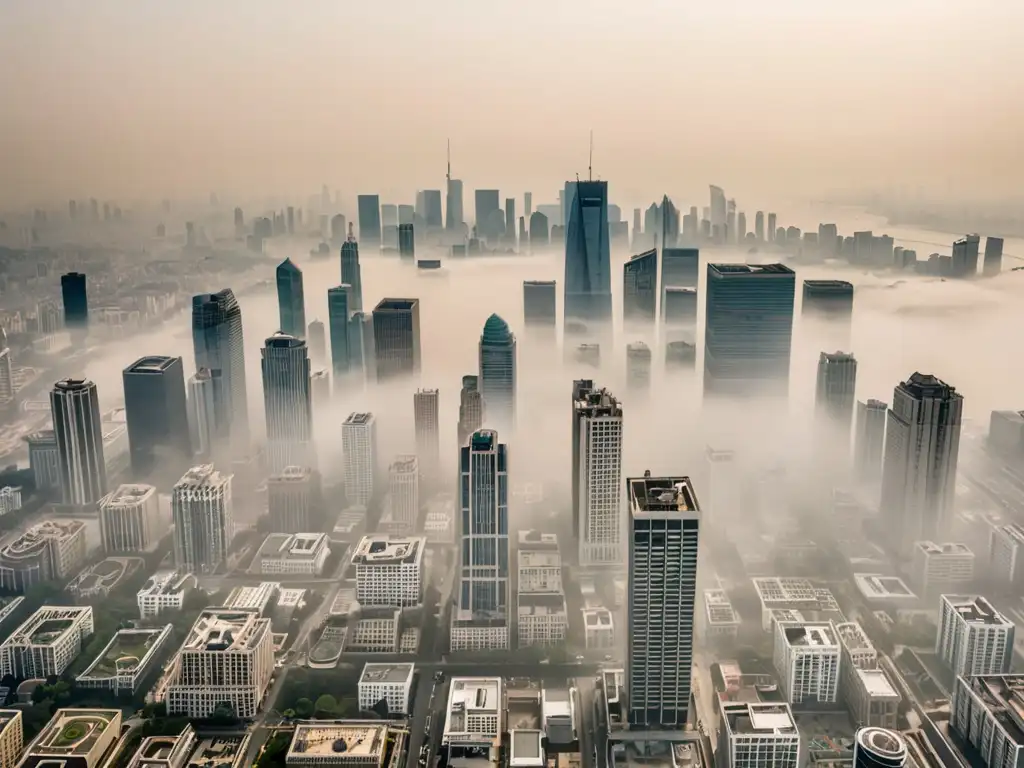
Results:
<point x="879" y="748"/>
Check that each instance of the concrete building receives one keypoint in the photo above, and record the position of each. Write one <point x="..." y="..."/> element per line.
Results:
<point x="474" y="720"/>
<point x="598" y="629"/>
<point x="12" y="737"/>
<point x="227" y="658"/>
<point x="164" y="591"/>
<point x="10" y="499"/>
<point x="497" y="357"/>
<point x="640" y="289"/>
<point x="663" y="534"/>
<point x="359" y="446"/>
<point x="156" y="411"/>
<point x="294" y="500"/>
<point x="973" y="637"/>
<point x="389" y="571"/>
<point x="867" y="690"/>
<point x="390" y="683"/>
<point x="542" y="619"/>
<point x="598" y="519"/>
<point x="942" y="568"/>
<point x="836" y="387"/>
<point x="43" y="460"/>
<point x="539" y="302"/>
<point x="1006" y="554"/>
<point x="869" y="440"/>
<point x="47" y="642"/>
<point x="986" y="713"/>
<point x="404" y="493"/>
<point x="788" y="594"/>
<point x="355" y="744"/>
<point x="130" y="519"/>
<point x="75" y="410"/>
<point x="758" y="735"/>
<point x="427" y="420"/>
<point x="202" y="510"/>
<point x="49" y="551"/>
<point x="100" y="729"/>
<point x="292" y="554"/>
<point x="879" y="747"/>
<point x="807" y="662"/>
<point x="539" y="563"/>
<point x="721" y="622"/>
<point x="126" y="660"/>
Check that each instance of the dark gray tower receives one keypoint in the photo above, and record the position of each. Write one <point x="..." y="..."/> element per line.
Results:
<point x="287" y="403"/>
<point x="75" y="409"/>
<point x="338" y="310"/>
<point x="640" y="288"/>
<point x="76" y="302"/>
<point x="396" y="337"/>
<point x="588" y="292"/>
<point x="350" y="272"/>
<point x="217" y="340"/>
<point x="369" y="220"/>
<point x="157" y="414"/>
<point x="291" y="299"/>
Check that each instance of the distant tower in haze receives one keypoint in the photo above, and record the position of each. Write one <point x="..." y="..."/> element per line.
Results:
<point x="640" y="288"/>
<point x="359" y="447"/>
<point x="426" y="417"/>
<point x="539" y="235"/>
<point x="351" y="274"/>
<point x="596" y="475"/>
<point x="407" y="241"/>
<point x="759" y="226"/>
<point x="396" y="338"/>
<point x="471" y="408"/>
<point x="965" y="257"/>
<point x="239" y="224"/>
<point x="75" y="411"/>
<point x="317" y="341"/>
<point x="498" y="373"/>
<point x="76" y="303"/>
<point x="771" y="227"/>
<point x="369" y="220"/>
<point x="217" y="340"/>
<point x="291" y="299"/>
<point x="638" y="368"/>
<point x="741" y="226"/>
<point x="539" y="303"/>
<point x="338" y="313"/>
<point x="922" y="446"/>
<point x="993" y="256"/>
<point x="287" y="403"/>
<point x="486" y="204"/>
<point x="338" y="232"/>
<point x="869" y="441"/>
<point x="510" y="219"/>
<point x="836" y="386"/>
<point x="157" y="413"/>
<point x="588" y="295"/>
<point x="454" y="218"/>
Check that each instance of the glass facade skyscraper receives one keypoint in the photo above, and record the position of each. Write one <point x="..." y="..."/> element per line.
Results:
<point x="369" y="220"/>
<point x="218" y="344"/>
<point x="639" y="288"/>
<point x="484" y="584"/>
<point x="287" y="403"/>
<point x="75" y="410"/>
<point x="498" y="373"/>
<point x="588" y="293"/>
<point x="291" y="300"/>
<point x="396" y="338"/>
<point x="76" y="301"/>
<point x="157" y="413"/>
<point x="748" y="329"/>
<point x="338" y="319"/>
<point x="351" y="274"/>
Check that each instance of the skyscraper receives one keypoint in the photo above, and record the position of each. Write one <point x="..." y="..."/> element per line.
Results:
<point x="638" y="367"/>
<point x="396" y="338"/>
<point x="359" y="446"/>
<point x="75" y="410"/>
<point x="471" y="408"/>
<point x="291" y="300"/>
<point x="664" y="525"/>
<point x="454" y="216"/>
<point x="510" y="219"/>
<point x="6" y="371"/>
<point x="404" y="492"/>
<point x="748" y="329"/>
<point x="369" y="221"/>
<point x="407" y="241"/>
<point x="539" y="303"/>
<point x="287" y="403"/>
<point x="351" y="274"/>
<point x="719" y="213"/>
<point x="759" y="226"/>
<point x="432" y="208"/>
<point x="426" y="416"/>
<point x="680" y="267"/>
<point x="588" y="294"/>
<point x="771" y="227"/>
<point x="538" y="230"/>
<point x="486" y="204"/>
<point x="836" y="387"/>
<point x="922" y="445"/>
<point x="869" y="441"/>
<point x="361" y="361"/>
<point x="596" y="475"/>
<point x="498" y="373"/>
<point x="294" y="500"/>
<point x="76" y="302"/>
<point x="205" y="424"/>
<point x="484" y="585"/>
<point x="202" y="510"/>
<point x="316" y="339"/>
<point x="640" y="288"/>
<point x="830" y="304"/>
<point x="338" y="319"/>
<point x="993" y="256"/>
<point x="217" y="340"/>
<point x="528" y="204"/>
<point x="157" y="413"/>
<point x="965" y="257"/>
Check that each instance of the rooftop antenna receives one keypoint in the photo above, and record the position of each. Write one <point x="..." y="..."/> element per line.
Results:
<point x="590" y="164"/>
<point x="351" y="233"/>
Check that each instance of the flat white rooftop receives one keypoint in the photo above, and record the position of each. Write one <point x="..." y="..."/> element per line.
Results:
<point x="759" y="718"/>
<point x="853" y="637"/>
<point x="975" y="609"/>
<point x="810" y="636"/>
<point x="380" y="549"/>
<point x="877" y="586"/>
<point x="533" y="558"/>
<point x="718" y="608"/>
<point x="469" y="698"/>
<point x="877" y="684"/>
<point x="386" y="673"/>
<point x="949" y="548"/>
<point x="597" y="618"/>
<point x="363" y="742"/>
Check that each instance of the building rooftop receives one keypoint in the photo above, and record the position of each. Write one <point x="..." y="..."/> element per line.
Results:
<point x="753" y="718"/>
<point x="201" y="476"/>
<point x="655" y="495"/>
<point x="251" y="597"/>
<point x="718" y="608"/>
<point x="526" y="748"/>
<point x="47" y="625"/>
<point x="751" y="269"/>
<point x="877" y="684"/>
<point x="925" y="386"/>
<point x="404" y="464"/>
<point x="1003" y="696"/>
<point x="380" y="549"/>
<point x="877" y="586"/>
<point x="166" y="583"/>
<point x="297" y="546"/>
<point x="30" y="543"/>
<point x="127" y="651"/>
<point x="128" y="495"/>
<point x="395" y="305"/>
<point x="73" y="733"/>
<point x="546" y="283"/>
<point x="151" y="364"/>
<point x="949" y="548"/>
<point x="283" y="340"/>
<point x="975" y="609"/>
<point x="539" y="558"/>
<point x="358" y="419"/>
<point x="536" y="540"/>
<point x="853" y="637"/>
<point x="387" y="673"/>
<point x="810" y="636"/>
<point x="365" y="743"/>
<point x="473" y="695"/>
<point x="224" y="629"/>
<point x="597" y="618"/>
<point x="541" y="603"/>
<point x="835" y="285"/>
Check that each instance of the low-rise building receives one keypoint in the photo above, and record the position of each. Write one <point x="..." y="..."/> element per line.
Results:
<point x="164" y="591"/>
<point x="74" y="737"/>
<point x="389" y="571"/>
<point x="126" y="660"/>
<point x="292" y="554"/>
<point x="559" y="715"/>
<point x="390" y="683"/>
<point x="721" y="622"/>
<point x="807" y="661"/>
<point x="542" y="619"/>
<point x="257" y="598"/>
<point x="872" y="699"/>
<point x="539" y="562"/>
<point x="473" y="633"/>
<point x="356" y="744"/>
<point x="439" y="520"/>
<point x="12" y="737"/>
<point x="130" y="519"/>
<point x="986" y="713"/>
<point x="973" y="638"/>
<point x="598" y="629"/>
<point x="884" y="590"/>
<point x="165" y="751"/>
<point x="1006" y="554"/>
<point x="474" y="722"/>
<point x="46" y="644"/>
<point x="942" y="567"/>
<point x="758" y="735"/>
<point x="50" y="551"/>
<point x="776" y="592"/>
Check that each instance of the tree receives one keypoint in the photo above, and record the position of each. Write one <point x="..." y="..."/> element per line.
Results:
<point x="326" y="706"/>
<point x="288" y="714"/>
<point x="304" y="707"/>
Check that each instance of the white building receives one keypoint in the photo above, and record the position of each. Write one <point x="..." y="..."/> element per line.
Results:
<point x="973" y="638"/>
<point x="292" y="554"/>
<point x="807" y="661"/>
<point x="47" y="643"/>
<point x="389" y="571"/>
<point x="12" y="737"/>
<point x="256" y="597"/>
<point x="439" y="522"/>
<point x="52" y="747"/>
<point x="203" y="513"/>
<point x="126" y="660"/>
<point x="1006" y="554"/>
<point x="391" y="683"/>
<point x="539" y="562"/>
<point x="776" y="592"/>
<point x="942" y="567"/>
<point x="758" y="735"/>
<point x="228" y="657"/>
<point x="543" y="620"/>
<point x="599" y="629"/>
<point x="597" y="475"/>
<point x="404" y="492"/>
<point x="425" y="414"/>
<point x="164" y="591"/>
<point x="49" y="551"/>
<point x="721" y="622"/>
<point x="10" y="499"/>
<point x="474" y="722"/>
<point x="130" y="519"/>
<point x="881" y="746"/>
<point x="867" y="690"/>
<point x="986" y="713"/>
<point x="359" y="446"/>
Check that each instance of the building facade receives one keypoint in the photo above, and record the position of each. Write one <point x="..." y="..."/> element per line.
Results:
<point x="498" y="374"/>
<point x="157" y="414"/>
<point x="597" y="476"/>
<point x="75" y="409"/>
<point x="291" y="300"/>
<point x="427" y="420"/>
<point x="396" y="338"/>
<point x="973" y="638"/>
<point x="219" y="347"/>
<point x="359" y="446"/>
<point x="202" y="511"/>
<point x="130" y="519"/>
<point x="287" y="403"/>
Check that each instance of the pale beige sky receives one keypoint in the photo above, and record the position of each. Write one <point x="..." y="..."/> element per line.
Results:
<point x="127" y="99"/>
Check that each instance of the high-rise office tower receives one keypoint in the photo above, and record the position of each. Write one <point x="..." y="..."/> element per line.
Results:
<point x="406" y="215"/>
<point x="291" y="219"/>
<point x="338" y="228"/>
<point x="771" y="227"/>
<point x="588" y="293"/>
<point x="432" y="208"/>
<point x="679" y="308"/>
<point x="993" y="256"/>
<point x="389" y="215"/>
<point x="359" y="446"/>
<point x="202" y="511"/>
<point x="427" y="420"/>
<point x="287" y="403"/>
<point x="510" y="219"/>
<point x="454" y="216"/>
<point x="75" y="410"/>
<point x="828" y="238"/>
<point x="596" y="475"/>
<point x="130" y="519"/>
<point x="974" y="638"/>
<point x="836" y="386"/>
<point x="523" y="237"/>
<point x="640" y="288"/>
<point x="6" y="371"/>
<point x="351" y="274"/>
<point x="206" y="426"/>
<point x="719" y="207"/>
<point x="294" y="500"/>
<point x="830" y="304"/>
<point x="369" y="220"/>
<point x="664" y="524"/>
<point x="486" y="201"/>
<point x="566" y="197"/>
<point x="637" y="225"/>
<point x="396" y="338"/>
<point x="748" y="329"/>
<point x="539" y="303"/>
<point x="498" y="374"/>
<point x="527" y="204"/>
<point x="361" y="361"/>
<point x="965" y="256"/>
<point x="157" y="413"/>
<point x="869" y="440"/>
<point x="407" y="241"/>
<point x="404" y="491"/>
<point x="217" y="340"/>
<point x="680" y="267"/>
<point x="319" y="390"/>
<point x="759" y="226"/>
<point x="638" y="367"/>
<point x="741" y="226"/>
<point x="338" y="319"/>
<point x="471" y="408"/>
<point x="291" y="301"/>
<point x="922" y="444"/>
<point x="76" y="302"/>
<point x="539" y="235"/>
<point x="484" y="584"/>
<point x="317" y="341"/>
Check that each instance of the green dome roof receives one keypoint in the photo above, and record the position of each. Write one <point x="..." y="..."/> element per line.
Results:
<point x="496" y="330"/>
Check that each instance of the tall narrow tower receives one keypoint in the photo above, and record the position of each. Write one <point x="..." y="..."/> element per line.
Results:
<point x="75" y="409"/>
<point x="287" y="403"/>
<point x="498" y="373"/>
<point x="219" y="346"/>
<point x="597" y="475"/>
<point x="425" y="406"/>
<point x="291" y="300"/>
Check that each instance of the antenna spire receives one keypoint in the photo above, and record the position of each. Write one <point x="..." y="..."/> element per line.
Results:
<point x="590" y="164"/>
<point x="351" y="233"/>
